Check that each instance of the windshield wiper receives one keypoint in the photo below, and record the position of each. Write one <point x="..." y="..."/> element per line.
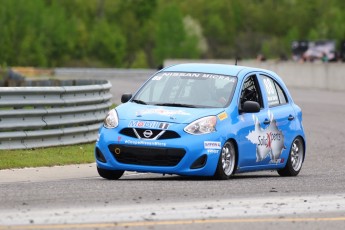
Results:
<point x="177" y="105"/>
<point x="139" y="102"/>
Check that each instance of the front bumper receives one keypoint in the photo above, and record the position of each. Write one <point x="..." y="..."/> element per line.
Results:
<point x="187" y="155"/>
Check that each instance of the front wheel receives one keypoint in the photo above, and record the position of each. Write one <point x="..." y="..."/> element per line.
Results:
<point x="295" y="160"/>
<point x="110" y="174"/>
<point x="226" y="162"/>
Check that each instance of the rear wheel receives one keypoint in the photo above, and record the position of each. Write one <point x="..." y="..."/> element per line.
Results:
<point x="226" y="162"/>
<point x="295" y="160"/>
<point x="110" y="174"/>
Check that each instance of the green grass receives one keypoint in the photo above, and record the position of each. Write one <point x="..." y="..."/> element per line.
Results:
<point x="62" y="155"/>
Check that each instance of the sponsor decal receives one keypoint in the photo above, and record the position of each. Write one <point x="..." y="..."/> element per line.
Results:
<point x="157" y="78"/>
<point x="163" y="125"/>
<point x="146" y="143"/>
<point x="269" y="141"/>
<point x="199" y="75"/>
<point x="222" y="116"/>
<point x="163" y="112"/>
<point x="213" y="151"/>
<point x="272" y="96"/>
<point x="148" y="124"/>
<point x="212" y="145"/>
<point x="277" y="161"/>
<point x="178" y="74"/>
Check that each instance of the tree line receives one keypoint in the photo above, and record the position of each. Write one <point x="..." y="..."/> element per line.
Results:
<point x="143" y="33"/>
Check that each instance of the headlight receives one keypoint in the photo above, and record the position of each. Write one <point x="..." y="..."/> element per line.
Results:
<point x="111" y="120"/>
<point x="202" y="126"/>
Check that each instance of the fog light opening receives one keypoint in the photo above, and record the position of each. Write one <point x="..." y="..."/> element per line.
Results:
<point x="199" y="163"/>
<point x="99" y="156"/>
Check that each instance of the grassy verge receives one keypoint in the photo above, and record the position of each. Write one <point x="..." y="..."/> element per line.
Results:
<point x="62" y="155"/>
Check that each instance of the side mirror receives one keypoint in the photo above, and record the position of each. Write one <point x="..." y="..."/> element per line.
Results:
<point x="126" y="97"/>
<point x="251" y="107"/>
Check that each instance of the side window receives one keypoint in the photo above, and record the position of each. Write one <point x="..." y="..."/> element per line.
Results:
<point x="251" y="91"/>
<point x="281" y="94"/>
<point x="275" y="94"/>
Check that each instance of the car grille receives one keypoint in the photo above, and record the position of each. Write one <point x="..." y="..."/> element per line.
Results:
<point x="156" y="134"/>
<point x="147" y="155"/>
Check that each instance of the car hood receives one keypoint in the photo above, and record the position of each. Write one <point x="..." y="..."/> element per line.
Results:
<point x="133" y="111"/>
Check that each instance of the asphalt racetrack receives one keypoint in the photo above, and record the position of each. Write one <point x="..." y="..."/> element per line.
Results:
<point x="75" y="197"/>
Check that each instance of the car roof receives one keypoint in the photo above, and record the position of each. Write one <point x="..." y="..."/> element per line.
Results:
<point x="224" y="69"/>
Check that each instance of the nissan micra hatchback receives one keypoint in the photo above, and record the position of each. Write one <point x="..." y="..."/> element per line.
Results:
<point x="204" y="120"/>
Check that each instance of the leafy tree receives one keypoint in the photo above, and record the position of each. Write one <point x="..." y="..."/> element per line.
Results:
<point x="142" y="33"/>
<point x="107" y="43"/>
<point x="171" y="38"/>
<point x="134" y="17"/>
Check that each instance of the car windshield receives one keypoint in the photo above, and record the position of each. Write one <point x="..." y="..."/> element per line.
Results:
<point x="185" y="89"/>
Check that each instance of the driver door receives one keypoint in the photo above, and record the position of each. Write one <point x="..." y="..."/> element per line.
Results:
<point x="252" y="136"/>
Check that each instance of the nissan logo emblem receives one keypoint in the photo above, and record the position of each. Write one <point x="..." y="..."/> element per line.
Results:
<point x="147" y="133"/>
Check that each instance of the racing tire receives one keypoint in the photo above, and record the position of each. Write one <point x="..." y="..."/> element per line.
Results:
<point x="110" y="174"/>
<point x="226" y="162"/>
<point x="296" y="157"/>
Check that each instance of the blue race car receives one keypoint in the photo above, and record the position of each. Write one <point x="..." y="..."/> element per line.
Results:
<point x="204" y="120"/>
